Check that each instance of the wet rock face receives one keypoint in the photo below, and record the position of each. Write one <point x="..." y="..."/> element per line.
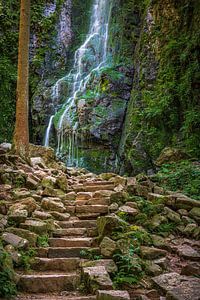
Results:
<point x="55" y="59"/>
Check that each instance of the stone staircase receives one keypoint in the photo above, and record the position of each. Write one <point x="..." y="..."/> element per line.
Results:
<point x="60" y="268"/>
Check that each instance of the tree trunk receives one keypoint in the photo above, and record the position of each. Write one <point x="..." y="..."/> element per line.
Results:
<point x="21" y="135"/>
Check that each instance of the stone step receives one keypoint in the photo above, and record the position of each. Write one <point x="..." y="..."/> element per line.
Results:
<point x="62" y="252"/>
<point x="54" y="297"/>
<point x="70" y="209"/>
<point x="87" y="216"/>
<point x="70" y="242"/>
<point x="78" y="224"/>
<point x="75" y="232"/>
<point x="93" y="188"/>
<point x="101" y="209"/>
<point x="93" y="201"/>
<point x="95" y="183"/>
<point x="56" y="264"/>
<point x="41" y="283"/>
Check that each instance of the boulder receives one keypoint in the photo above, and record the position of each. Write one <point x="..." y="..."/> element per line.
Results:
<point x="18" y="216"/>
<point x="153" y="269"/>
<point x="6" y="146"/>
<point x="113" y="207"/>
<point x="172" y="215"/>
<point x="31" y="183"/>
<point x="151" y="252"/>
<point x="109" y="264"/>
<point x="186" y="251"/>
<point x="3" y="222"/>
<point x="119" y="197"/>
<point x="38" y="227"/>
<point x="96" y="278"/>
<point x="60" y="216"/>
<point x="195" y="214"/>
<point x="62" y="183"/>
<point x="157" y="220"/>
<point x="70" y="196"/>
<point x="107" y="176"/>
<point x="178" y="287"/>
<point x="25" y="234"/>
<point x="28" y="204"/>
<point x="21" y="193"/>
<point x="37" y="162"/>
<point x="41" y="215"/>
<point x="52" y="192"/>
<point x="170" y="155"/>
<point x="190" y="229"/>
<point x="14" y="240"/>
<point x="84" y="196"/>
<point x="107" y="247"/>
<point x="191" y="269"/>
<point x="128" y="210"/>
<point x="106" y="224"/>
<point x="118" y="180"/>
<point x="112" y="295"/>
<point x="16" y="257"/>
<point x="52" y="205"/>
<point x="132" y="204"/>
<point x="48" y="182"/>
<point x="158" y="241"/>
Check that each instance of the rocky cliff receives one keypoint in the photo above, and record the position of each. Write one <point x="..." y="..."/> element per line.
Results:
<point x="164" y="105"/>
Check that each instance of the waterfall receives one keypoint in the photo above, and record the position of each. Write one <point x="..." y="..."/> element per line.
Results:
<point x="47" y="135"/>
<point x="89" y="58"/>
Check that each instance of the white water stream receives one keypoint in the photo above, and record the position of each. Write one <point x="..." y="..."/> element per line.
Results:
<point x="89" y="58"/>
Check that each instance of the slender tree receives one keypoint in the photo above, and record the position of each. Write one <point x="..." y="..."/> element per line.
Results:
<point x="21" y="135"/>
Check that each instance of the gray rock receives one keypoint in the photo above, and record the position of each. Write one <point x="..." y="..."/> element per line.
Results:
<point x="112" y="295"/>
<point x="128" y="210"/>
<point x="97" y="278"/>
<point x="178" y="287"/>
<point x="107" y="247"/>
<point x="14" y="240"/>
<point x="41" y="215"/>
<point x="172" y="215"/>
<point x="188" y="252"/>
<point x="52" y="205"/>
<point x="38" y="227"/>
<point x="113" y="207"/>
<point x="152" y="253"/>
<point x="195" y="214"/>
<point x="37" y="161"/>
<point x="25" y="234"/>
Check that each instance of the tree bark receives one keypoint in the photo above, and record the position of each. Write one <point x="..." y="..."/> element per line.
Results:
<point x="21" y="135"/>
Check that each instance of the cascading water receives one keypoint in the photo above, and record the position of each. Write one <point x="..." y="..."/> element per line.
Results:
<point x="89" y="58"/>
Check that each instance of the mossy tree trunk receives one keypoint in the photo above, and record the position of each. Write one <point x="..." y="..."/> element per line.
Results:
<point x="21" y="135"/>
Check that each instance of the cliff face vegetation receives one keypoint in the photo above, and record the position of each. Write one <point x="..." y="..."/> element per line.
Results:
<point x="164" y="105"/>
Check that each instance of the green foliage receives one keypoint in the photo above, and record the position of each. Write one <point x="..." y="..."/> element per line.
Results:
<point x="26" y="258"/>
<point x="164" y="107"/>
<point x="7" y="285"/>
<point x="43" y="241"/>
<point x="164" y="228"/>
<point x="183" y="176"/>
<point x="122" y="215"/>
<point x="90" y="254"/>
<point x="130" y="268"/>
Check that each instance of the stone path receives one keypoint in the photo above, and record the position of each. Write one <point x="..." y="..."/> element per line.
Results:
<point x="58" y="269"/>
<point x="38" y="200"/>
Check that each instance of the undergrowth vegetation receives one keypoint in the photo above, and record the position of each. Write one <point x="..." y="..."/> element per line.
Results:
<point x="7" y="284"/>
<point x="183" y="176"/>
